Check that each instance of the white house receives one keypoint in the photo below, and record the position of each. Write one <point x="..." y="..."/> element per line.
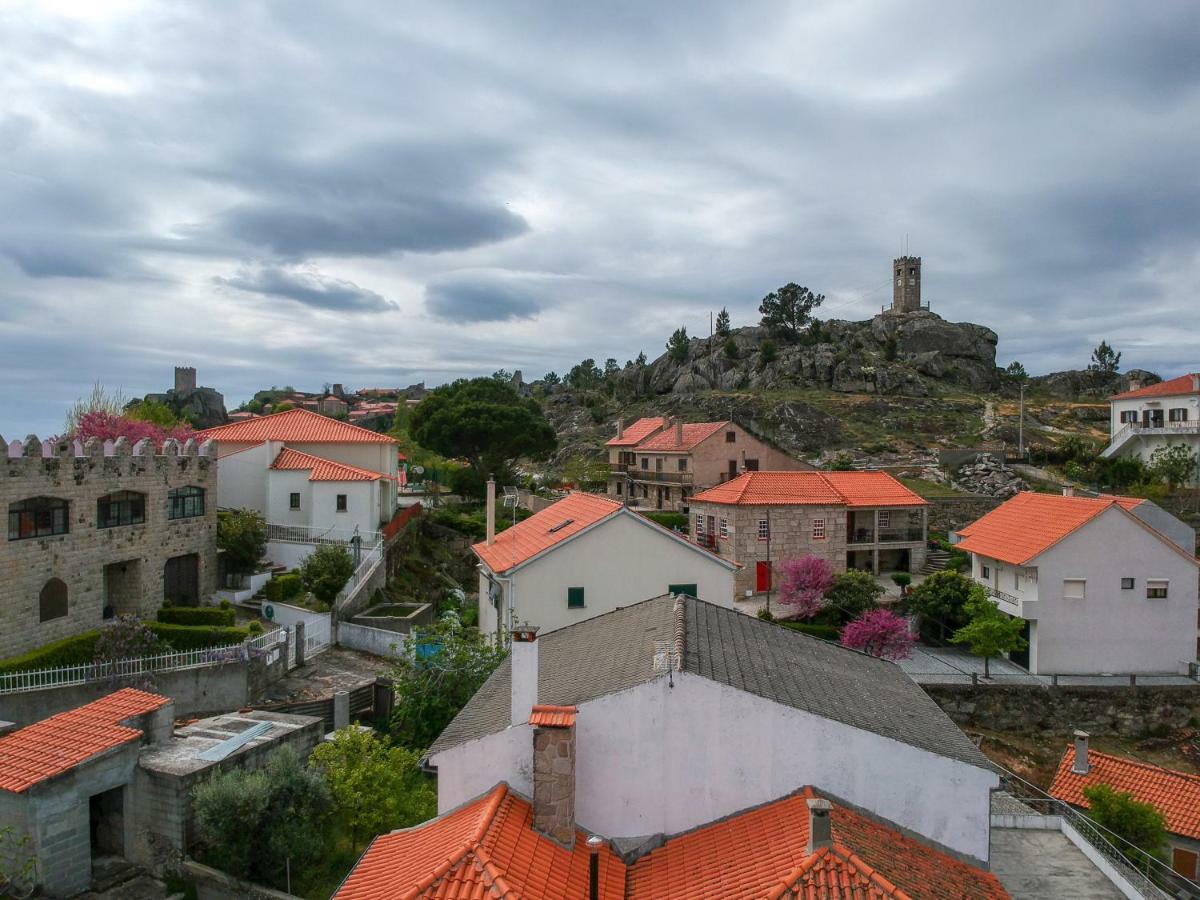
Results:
<point x="1105" y="585"/>
<point x="1144" y="419"/>
<point x="688" y="712"/>
<point x="584" y="556"/>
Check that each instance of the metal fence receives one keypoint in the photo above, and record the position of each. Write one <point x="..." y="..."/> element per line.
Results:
<point x="173" y="661"/>
<point x="304" y="534"/>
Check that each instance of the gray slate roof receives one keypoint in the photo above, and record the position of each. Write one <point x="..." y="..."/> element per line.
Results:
<point x="615" y="651"/>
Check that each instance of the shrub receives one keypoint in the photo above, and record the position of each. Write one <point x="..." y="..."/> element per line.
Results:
<point x="853" y="593"/>
<point x="765" y="614"/>
<point x="242" y="536"/>
<point x="901" y="579"/>
<point x="881" y="633"/>
<point x="941" y="603"/>
<point x="824" y="632"/>
<point x="730" y="348"/>
<point x="225" y="604"/>
<point x="1139" y="823"/>
<point x="192" y="637"/>
<point x="197" y="615"/>
<point x="843" y="462"/>
<point x="768" y="350"/>
<point x="126" y="637"/>
<point x="73" y="651"/>
<point x="676" y="521"/>
<point x="283" y="588"/>
<point x="326" y="570"/>
<point x="254" y="628"/>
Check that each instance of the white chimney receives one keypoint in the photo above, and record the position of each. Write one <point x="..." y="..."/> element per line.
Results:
<point x="820" y="826"/>
<point x="524" y="656"/>
<point x="491" y="511"/>
<point x="1068" y="491"/>
<point x="1081" y="766"/>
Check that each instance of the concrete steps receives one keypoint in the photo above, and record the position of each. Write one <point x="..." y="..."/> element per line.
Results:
<point x="935" y="561"/>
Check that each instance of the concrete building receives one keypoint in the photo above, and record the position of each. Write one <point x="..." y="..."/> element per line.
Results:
<point x="1143" y="419"/>
<point x="660" y="463"/>
<point x="1105" y="585"/>
<point x="113" y="779"/>
<point x="689" y="712"/>
<point x="100" y="530"/>
<point x="854" y="520"/>
<point x="582" y="557"/>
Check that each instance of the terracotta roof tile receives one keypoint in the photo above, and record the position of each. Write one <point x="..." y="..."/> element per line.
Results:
<point x="544" y="529"/>
<point x="694" y="433"/>
<point x="58" y="744"/>
<point x="1029" y="524"/>
<point x="545" y="716"/>
<point x="636" y="432"/>
<point x="1182" y="386"/>
<point x="295" y="425"/>
<point x="852" y="489"/>
<point x="1174" y="794"/>
<point x="322" y="469"/>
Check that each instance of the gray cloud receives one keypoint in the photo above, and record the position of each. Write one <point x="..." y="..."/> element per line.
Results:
<point x="309" y="288"/>
<point x="480" y="298"/>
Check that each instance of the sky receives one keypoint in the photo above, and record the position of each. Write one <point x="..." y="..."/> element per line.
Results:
<point x="380" y="194"/>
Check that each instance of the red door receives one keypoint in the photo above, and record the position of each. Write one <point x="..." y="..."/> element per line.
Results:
<point x="763" y="576"/>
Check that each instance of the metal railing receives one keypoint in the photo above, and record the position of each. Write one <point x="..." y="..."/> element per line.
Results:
<point x="173" y="661"/>
<point x="1132" y="428"/>
<point x="1000" y="595"/>
<point x="305" y="534"/>
<point x="904" y="535"/>
<point x="640" y="474"/>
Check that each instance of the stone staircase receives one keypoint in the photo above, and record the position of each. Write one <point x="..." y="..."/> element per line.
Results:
<point x="254" y="604"/>
<point x="935" y="561"/>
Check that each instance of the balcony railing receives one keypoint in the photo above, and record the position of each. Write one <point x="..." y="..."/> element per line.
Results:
<point x="911" y="535"/>
<point x="639" y="474"/>
<point x="1139" y="428"/>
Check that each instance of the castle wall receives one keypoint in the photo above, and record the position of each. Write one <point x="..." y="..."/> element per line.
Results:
<point x="136" y="554"/>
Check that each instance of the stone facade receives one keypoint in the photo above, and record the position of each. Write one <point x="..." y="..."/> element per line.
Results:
<point x="554" y="783"/>
<point x="106" y="571"/>
<point x="906" y="293"/>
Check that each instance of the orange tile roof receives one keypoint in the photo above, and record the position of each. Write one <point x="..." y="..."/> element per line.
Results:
<point x="58" y="744"/>
<point x="544" y="529"/>
<point x="544" y="716"/>
<point x="1174" y="794"/>
<point x="322" y="469"/>
<point x="636" y="432"/>
<point x="1176" y="387"/>
<point x="1029" y="524"/>
<point x="488" y="848"/>
<point x="853" y="489"/>
<point x="694" y="433"/>
<point x="295" y="425"/>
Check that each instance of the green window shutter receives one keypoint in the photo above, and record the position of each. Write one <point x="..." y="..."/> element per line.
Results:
<point x="575" y="598"/>
<point x="689" y="589"/>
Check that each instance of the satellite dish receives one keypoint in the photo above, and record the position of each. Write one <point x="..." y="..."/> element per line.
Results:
<point x="418" y="470"/>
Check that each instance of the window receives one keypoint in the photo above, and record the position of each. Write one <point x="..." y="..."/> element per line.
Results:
<point x="52" y="601"/>
<point x="574" y="598"/>
<point x="688" y="589"/>
<point x="1127" y="584"/>
<point x="121" y="508"/>
<point x="658" y="464"/>
<point x="724" y="527"/>
<point x="699" y="524"/>
<point x="1177" y="415"/>
<point x="294" y="500"/>
<point x="341" y="502"/>
<point x="683" y="464"/>
<point x="1129" y="415"/>
<point x="1185" y="862"/>
<point x="764" y="529"/>
<point x="37" y="517"/>
<point x="1156" y="589"/>
<point x="751" y="465"/>
<point x="185" y="502"/>
<point x="731" y="437"/>
<point x="985" y="571"/>
<point x="645" y="463"/>
<point x="1074" y="588"/>
<point x="619" y="488"/>
<point x="818" y="529"/>
<point x="885" y="518"/>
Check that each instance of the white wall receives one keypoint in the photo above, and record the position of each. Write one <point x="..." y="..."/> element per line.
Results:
<point x="376" y="457"/>
<point x="1138" y="404"/>
<point x="281" y="483"/>
<point x="619" y="562"/>
<point x="1115" y="630"/>
<point x="242" y="483"/>
<point x="656" y="759"/>
<point x="362" y="505"/>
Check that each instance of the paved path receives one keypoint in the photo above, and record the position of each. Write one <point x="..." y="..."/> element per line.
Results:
<point x="1040" y="865"/>
<point x="335" y="669"/>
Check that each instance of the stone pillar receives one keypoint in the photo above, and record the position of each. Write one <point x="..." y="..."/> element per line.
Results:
<point x="299" y="632"/>
<point x="341" y="709"/>
<point x="383" y="701"/>
<point x="554" y="783"/>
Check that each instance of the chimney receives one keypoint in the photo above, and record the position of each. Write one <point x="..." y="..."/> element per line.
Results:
<point x="820" y="827"/>
<point x="679" y="431"/>
<point x="1068" y="491"/>
<point x="594" y="843"/>
<point x="524" y="655"/>
<point x="554" y="773"/>
<point x="620" y="427"/>
<point x="1081" y="766"/>
<point x="1135" y="384"/>
<point x="491" y="510"/>
<point x="1196" y="383"/>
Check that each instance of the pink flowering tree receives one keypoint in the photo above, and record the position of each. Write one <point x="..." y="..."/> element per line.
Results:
<point x="107" y="426"/>
<point x="882" y="633"/>
<point x="805" y="581"/>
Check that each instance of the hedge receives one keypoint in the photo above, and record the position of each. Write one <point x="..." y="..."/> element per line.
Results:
<point x="197" y="615"/>
<point x="189" y="637"/>
<point x="673" y="520"/>
<point x="825" y="632"/>
<point x="283" y="588"/>
<point x="81" y="649"/>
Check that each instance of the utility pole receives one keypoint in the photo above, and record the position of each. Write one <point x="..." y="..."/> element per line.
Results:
<point x="1021" y="425"/>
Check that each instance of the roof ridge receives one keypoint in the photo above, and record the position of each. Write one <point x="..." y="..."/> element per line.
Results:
<point x="680" y="612"/>
<point x="1142" y="764"/>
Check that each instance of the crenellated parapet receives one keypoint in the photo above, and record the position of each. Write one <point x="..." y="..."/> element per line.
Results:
<point x="34" y="456"/>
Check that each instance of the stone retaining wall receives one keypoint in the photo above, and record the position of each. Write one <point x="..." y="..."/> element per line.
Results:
<point x="951" y="513"/>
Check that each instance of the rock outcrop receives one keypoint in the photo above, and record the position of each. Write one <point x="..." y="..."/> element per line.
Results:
<point x="985" y="475"/>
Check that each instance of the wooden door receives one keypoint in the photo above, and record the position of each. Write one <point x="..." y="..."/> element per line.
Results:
<point x="181" y="580"/>
<point x="762" y="576"/>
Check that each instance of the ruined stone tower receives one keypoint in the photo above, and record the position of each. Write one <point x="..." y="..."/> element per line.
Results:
<point x="906" y="294"/>
<point x="185" y="379"/>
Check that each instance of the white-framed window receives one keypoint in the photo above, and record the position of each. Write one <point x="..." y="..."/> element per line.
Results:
<point x="1156" y="588"/>
<point x="1179" y="414"/>
<point x="885" y="518"/>
<point x="1129" y="415"/>
<point x="1074" y="588"/>
<point x="764" y="529"/>
<point x="699" y="523"/>
<point x="723" y="527"/>
<point x="818" y="529"/>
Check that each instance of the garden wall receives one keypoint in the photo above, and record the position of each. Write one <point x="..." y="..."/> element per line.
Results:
<point x="378" y="641"/>
<point x="1026" y="709"/>
<point x="951" y="513"/>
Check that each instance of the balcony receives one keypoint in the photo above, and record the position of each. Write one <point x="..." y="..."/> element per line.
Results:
<point x="1015" y="606"/>
<point x="639" y="474"/>
<point x="908" y="535"/>
<point x="1138" y="429"/>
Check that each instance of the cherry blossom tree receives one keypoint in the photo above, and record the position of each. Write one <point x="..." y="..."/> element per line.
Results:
<point x="107" y="426"/>
<point x="805" y="581"/>
<point x="881" y="633"/>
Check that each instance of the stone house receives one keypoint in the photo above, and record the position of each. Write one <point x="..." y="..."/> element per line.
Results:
<point x="100" y="530"/>
<point x="1144" y="419"/>
<point x="854" y="520"/>
<point x="659" y="463"/>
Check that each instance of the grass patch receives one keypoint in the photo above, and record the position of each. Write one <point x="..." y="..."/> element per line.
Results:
<point x="929" y="489"/>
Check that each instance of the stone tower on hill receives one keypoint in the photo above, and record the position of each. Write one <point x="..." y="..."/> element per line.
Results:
<point x="906" y="295"/>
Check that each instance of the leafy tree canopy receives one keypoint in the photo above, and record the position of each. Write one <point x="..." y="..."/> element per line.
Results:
<point x="1016" y="371"/>
<point x="940" y="601"/>
<point x="881" y="633"/>
<point x="551" y="378"/>
<point x="586" y="376"/>
<point x="853" y="593"/>
<point x="678" y="346"/>
<point x="242" y="535"/>
<point x="1106" y="362"/>
<point x="805" y="581"/>
<point x="789" y="309"/>
<point x="1175" y="464"/>
<point x="1139" y="823"/>
<point x="326" y="570"/>
<point x="722" y="326"/>
<point x="989" y="631"/>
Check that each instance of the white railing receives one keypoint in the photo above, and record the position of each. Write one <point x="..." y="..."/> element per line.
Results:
<point x="305" y="534"/>
<point x="1132" y="428"/>
<point x="173" y="661"/>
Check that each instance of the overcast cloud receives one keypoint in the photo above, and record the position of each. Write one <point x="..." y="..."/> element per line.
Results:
<point x="294" y="193"/>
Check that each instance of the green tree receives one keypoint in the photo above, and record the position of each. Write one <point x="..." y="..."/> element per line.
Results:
<point x="789" y="309"/>
<point x="843" y="462"/>
<point x="283" y="407"/>
<point x="586" y="376"/>
<point x="890" y="348"/>
<point x="440" y="670"/>
<point x="641" y="359"/>
<point x="376" y="786"/>
<point x="1105" y="363"/>
<point x="678" y="346"/>
<point x="1175" y="464"/>
<point x="284" y="807"/>
<point x="153" y="412"/>
<point x="1016" y="371"/>
<point x="853" y="593"/>
<point x="502" y="375"/>
<point x="611" y="369"/>
<point x="586" y="472"/>
<point x="484" y="422"/>
<point x="551" y="379"/>
<point x="768" y="350"/>
<point x="722" y="326"/>
<point x="326" y="570"/>
<point x="940" y="602"/>
<point x="1139" y="823"/>
<point x="242" y="536"/>
<point x="730" y="348"/>
<point x="989" y="631"/>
